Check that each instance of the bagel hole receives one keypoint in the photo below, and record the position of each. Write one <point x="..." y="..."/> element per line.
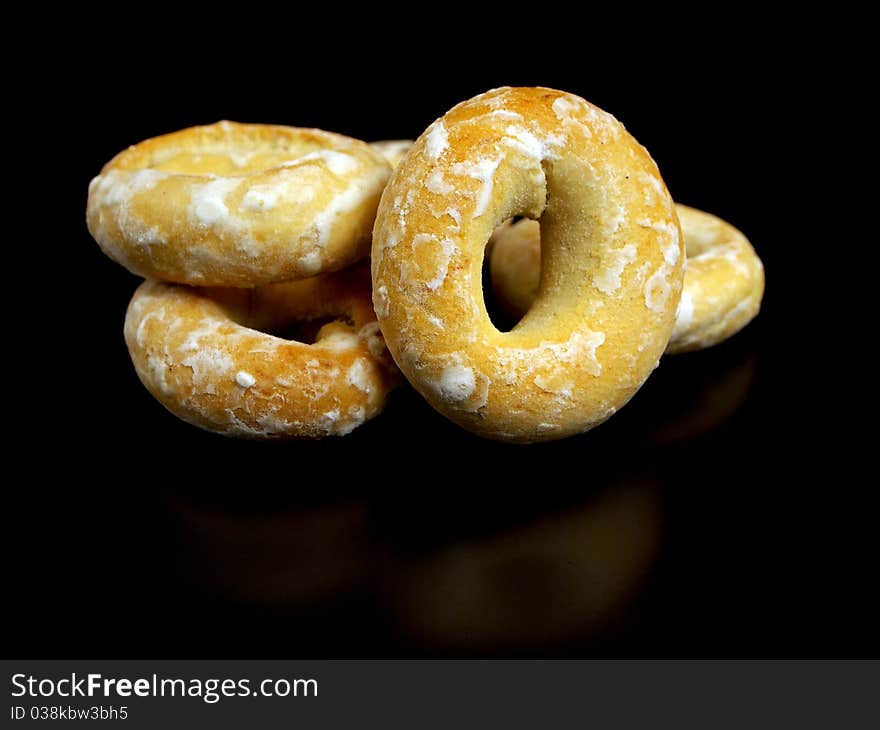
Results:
<point x="306" y="330"/>
<point x="512" y="271"/>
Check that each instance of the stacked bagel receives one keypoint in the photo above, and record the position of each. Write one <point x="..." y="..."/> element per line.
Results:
<point x="242" y="231"/>
<point x="255" y="319"/>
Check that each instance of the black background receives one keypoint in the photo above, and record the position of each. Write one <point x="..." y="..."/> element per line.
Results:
<point x="711" y="517"/>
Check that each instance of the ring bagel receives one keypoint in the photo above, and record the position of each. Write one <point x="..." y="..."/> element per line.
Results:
<point x="206" y="356"/>
<point x="610" y="283"/>
<point x="723" y="280"/>
<point x="392" y="150"/>
<point x="237" y="204"/>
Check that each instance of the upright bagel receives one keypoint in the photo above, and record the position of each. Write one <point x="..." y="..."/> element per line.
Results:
<point x="237" y="204"/>
<point x="205" y="355"/>
<point x="723" y="280"/>
<point x="610" y="283"/>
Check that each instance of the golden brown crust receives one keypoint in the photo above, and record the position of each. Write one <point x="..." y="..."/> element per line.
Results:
<point x="723" y="281"/>
<point x="205" y="355"/>
<point x="237" y="204"/>
<point x="610" y="284"/>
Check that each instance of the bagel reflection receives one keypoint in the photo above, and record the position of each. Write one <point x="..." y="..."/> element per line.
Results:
<point x="708" y="398"/>
<point x="566" y="578"/>
<point x="283" y="560"/>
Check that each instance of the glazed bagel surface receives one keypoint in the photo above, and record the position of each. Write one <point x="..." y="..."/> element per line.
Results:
<point x="609" y="286"/>
<point x="393" y="150"/>
<point x="237" y="204"/>
<point x="207" y="355"/>
<point x="723" y="283"/>
<point x="723" y="279"/>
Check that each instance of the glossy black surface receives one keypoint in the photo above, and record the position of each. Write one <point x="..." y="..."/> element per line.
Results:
<point x="708" y="518"/>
